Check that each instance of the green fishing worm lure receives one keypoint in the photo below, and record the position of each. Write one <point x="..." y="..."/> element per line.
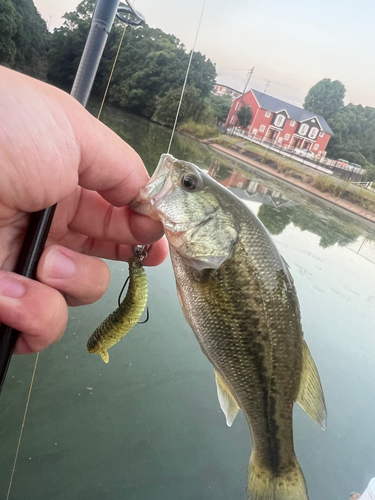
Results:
<point x="122" y="320"/>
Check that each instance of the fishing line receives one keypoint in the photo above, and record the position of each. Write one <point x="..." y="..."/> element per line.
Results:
<point x="23" y="425"/>
<point x="186" y="77"/>
<point x="170" y="143"/>
<point x="113" y="68"/>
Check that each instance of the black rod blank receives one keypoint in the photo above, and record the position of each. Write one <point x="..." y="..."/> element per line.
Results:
<point x="40" y="222"/>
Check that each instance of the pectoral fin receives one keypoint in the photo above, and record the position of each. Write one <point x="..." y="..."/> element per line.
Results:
<point x="310" y="396"/>
<point x="227" y="402"/>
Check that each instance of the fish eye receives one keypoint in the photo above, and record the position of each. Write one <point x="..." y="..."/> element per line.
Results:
<point x="190" y="182"/>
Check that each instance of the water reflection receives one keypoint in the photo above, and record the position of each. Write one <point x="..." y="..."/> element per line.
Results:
<point x="148" y="425"/>
<point x="277" y="211"/>
<point x="364" y="247"/>
<point x="277" y="208"/>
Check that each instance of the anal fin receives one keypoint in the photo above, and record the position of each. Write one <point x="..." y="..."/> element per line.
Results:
<point x="310" y="396"/>
<point x="227" y="402"/>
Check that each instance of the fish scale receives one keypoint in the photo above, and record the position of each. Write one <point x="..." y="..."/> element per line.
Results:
<point x="239" y="298"/>
<point x="249" y="350"/>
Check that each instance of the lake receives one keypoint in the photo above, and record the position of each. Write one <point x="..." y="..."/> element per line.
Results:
<point x="148" y="426"/>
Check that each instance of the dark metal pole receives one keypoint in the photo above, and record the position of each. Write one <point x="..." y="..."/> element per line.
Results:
<point x="102" y="20"/>
<point x="40" y="222"/>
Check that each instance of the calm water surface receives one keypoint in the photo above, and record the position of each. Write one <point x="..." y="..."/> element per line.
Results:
<point x="148" y="426"/>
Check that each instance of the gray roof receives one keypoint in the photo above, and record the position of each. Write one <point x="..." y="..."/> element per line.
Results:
<point x="295" y="113"/>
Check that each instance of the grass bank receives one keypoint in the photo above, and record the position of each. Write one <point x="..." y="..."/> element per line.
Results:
<point x="354" y="194"/>
<point x="198" y="130"/>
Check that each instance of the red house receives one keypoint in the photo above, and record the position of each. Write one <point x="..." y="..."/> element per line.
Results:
<point x="282" y="123"/>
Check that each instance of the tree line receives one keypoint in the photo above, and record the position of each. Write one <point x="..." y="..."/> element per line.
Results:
<point x="149" y="73"/>
<point x="24" y="38"/>
<point x="353" y="126"/>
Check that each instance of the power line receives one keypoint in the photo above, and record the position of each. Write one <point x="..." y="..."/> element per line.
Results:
<point x="186" y="77"/>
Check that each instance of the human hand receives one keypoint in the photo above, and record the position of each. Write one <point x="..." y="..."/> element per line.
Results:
<point x="53" y="151"/>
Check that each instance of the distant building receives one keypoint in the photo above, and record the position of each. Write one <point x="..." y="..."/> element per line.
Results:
<point x="225" y="90"/>
<point x="282" y="123"/>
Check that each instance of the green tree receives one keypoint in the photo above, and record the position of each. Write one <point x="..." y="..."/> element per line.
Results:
<point x="10" y="22"/>
<point x="353" y="126"/>
<point x="23" y="38"/>
<point x="150" y="62"/>
<point x="220" y="105"/>
<point x="32" y="39"/>
<point x="153" y="63"/>
<point x="192" y="107"/>
<point x="354" y="137"/>
<point x="326" y="98"/>
<point x="244" y="116"/>
<point x="67" y="44"/>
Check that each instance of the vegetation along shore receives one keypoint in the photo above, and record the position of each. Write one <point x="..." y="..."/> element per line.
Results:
<point x="350" y="197"/>
<point x="148" y="80"/>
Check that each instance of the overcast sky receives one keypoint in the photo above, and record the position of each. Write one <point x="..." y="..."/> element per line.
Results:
<point x="292" y="44"/>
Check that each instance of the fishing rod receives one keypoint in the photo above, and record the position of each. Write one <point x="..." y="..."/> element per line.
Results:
<point x="40" y="222"/>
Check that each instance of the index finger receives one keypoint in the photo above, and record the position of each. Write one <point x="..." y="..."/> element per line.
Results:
<point x="108" y="164"/>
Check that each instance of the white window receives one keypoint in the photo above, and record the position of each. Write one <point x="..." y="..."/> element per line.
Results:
<point x="237" y="105"/>
<point x="321" y="134"/>
<point x="316" y="147"/>
<point x="232" y="120"/>
<point x="280" y="119"/>
<point x="254" y="131"/>
<point x="313" y="132"/>
<point x="262" y="128"/>
<point x="287" y="137"/>
<point x="303" y="129"/>
<point x="292" y="123"/>
<point x="280" y="139"/>
<point x="268" y="114"/>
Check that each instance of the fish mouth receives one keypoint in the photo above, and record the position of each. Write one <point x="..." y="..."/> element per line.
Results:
<point x="160" y="184"/>
<point x="157" y="187"/>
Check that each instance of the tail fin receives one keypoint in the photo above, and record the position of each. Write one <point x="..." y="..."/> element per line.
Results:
<point x="105" y="356"/>
<point x="264" y="485"/>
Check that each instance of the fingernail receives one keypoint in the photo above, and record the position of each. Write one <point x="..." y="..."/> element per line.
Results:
<point x="58" y="265"/>
<point x="11" y="287"/>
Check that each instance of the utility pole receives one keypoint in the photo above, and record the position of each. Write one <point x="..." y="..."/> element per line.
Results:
<point x="247" y="81"/>
<point x="246" y="84"/>
<point x="268" y="84"/>
<point x="49" y="22"/>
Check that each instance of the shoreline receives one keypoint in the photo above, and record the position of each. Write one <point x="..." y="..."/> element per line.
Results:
<point x="339" y="202"/>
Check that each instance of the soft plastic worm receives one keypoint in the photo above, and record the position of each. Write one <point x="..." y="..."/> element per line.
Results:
<point x="122" y="320"/>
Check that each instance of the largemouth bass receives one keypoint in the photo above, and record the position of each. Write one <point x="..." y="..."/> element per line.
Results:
<point x="127" y="315"/>
<point x="238" y="296"/>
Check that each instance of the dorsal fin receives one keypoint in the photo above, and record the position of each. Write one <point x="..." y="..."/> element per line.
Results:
<point x="310" y="395"/>
<point x="227" y="402"/>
